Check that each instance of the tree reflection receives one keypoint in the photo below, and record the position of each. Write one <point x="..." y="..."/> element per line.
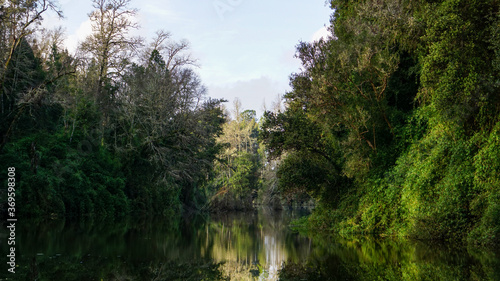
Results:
<point x="254" y="246"/>
<point x="241" y="246"/>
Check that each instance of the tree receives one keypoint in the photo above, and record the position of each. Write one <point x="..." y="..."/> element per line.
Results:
<point x="456" y="56"/>
<point x="310" y="162"/>
<point x="173" y="53"/>
<point x="21" y="76"/>
<point x="237" y="170"/>
<point x="400" y="106"/>
<point x="166" y="124"/>
<point x="18" y="20"/>
<point x="109" y="48"/>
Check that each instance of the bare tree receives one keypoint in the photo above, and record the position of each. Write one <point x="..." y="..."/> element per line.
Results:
<point x="174" y="53"/>
<point x="110" y="46"/>
<point x="46" y="40"/>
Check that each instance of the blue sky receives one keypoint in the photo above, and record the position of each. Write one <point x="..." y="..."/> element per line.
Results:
<point x="245" y="48"/>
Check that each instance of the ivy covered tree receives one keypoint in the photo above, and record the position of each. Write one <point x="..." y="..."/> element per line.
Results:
<point x="402" y="99"/>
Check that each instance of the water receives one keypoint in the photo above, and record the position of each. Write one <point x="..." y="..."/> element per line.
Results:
<point x="243" y="246"/>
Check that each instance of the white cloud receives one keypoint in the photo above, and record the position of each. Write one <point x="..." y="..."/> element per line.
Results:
<point x="156" y="10"/>
<point x="321" y="33"/>
<point x="81" y="33"/>
<point x="51" y="20"/>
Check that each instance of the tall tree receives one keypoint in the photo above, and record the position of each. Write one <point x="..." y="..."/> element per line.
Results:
<point x="109" y="48"/>
<point x="18" y="19"/>
<point x="166" y="123"/>
<point x="22" y="81"/>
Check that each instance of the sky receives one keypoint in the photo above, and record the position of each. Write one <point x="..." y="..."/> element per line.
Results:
<point x="244" y="48"/>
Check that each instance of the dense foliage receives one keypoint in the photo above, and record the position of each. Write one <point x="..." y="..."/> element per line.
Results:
<point x="393" y="124"/>
<point x="121" y="126"/>
<point x="237" y="170"/>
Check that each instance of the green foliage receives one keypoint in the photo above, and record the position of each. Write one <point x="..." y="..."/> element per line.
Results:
<point x="484" y="204"/>
<point x="308" y="173"/>
<point x="87" y="143"/>
<point x="56" y="180"/>
<point x="456" y="57"/>
<point x="402" y="104"/>
<point x="310" y="166"/>
<point x="236" y="176"/>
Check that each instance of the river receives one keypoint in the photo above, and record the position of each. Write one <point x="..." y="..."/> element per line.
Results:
<point x="241" y="246"/>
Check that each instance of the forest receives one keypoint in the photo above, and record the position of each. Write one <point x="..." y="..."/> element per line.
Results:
<point x="121" y="126"/>
<point x="391" y="126"/>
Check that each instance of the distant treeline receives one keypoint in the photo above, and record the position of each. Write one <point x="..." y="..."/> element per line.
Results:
<point x="393" y="123"/>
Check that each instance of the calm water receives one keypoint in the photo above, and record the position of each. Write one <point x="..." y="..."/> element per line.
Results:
<point x="245" y="246"/>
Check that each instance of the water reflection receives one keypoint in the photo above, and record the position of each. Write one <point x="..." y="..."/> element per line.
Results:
<point x="245" y="246"/>
<point x="254" y="246"/>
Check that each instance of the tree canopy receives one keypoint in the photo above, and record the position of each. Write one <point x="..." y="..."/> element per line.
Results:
<point x="121" y="126"/>
<point x="399" y="110"/>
